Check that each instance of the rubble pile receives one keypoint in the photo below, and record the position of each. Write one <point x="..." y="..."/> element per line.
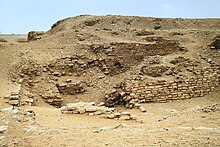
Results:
<point x="122" y="116"/>
<point x="71" y="87"/>
<point x="86" y="108"/>
<point x="119" y="58"/>
<point x="211" y="108"/>
<point x="117" y="97"/>
<point x="179" y="59"/>
<point x="74" y="65"/>
<point x="26" y="73"/>
<point x="93" y="109"/>
<point x="216" y="44"/>
<point x="30" y="100"/>
<point x="154" y="71"/>
<point x="34" y="35"/>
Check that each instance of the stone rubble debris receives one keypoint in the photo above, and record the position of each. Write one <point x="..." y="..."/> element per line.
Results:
<point x="107" y="128"/>
<point x="71" y="87"/>
<point x="122" y="116"/>
<point x="35" y="35"/>
<point x="103" y="129"/>
<point x="91" y="109"/>
<point x="211" y="108"/>
<point x="85" y="108"/>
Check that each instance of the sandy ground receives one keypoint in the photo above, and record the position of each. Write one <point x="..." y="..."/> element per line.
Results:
<point x="179" y="123"/>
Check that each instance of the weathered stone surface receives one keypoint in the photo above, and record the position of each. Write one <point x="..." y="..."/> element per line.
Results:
<point x="124" y="118"/>
<point x="107" y="128"/>
<point x="83" y="107"/>
<point x="142" y="109"/>
<point x="111" y="116"/>
<point x="98" y="113"/>
<point x="53" y="99"/>
<point x="125" y="113"/>
<point x="216" y="43"/>
<point x="3" y="129"/>
<point x="13" y="98"/>
<point x="90" y="109"/>
<point x="71" y="88"/>
<point x="29" y="100"/>
<point x="13" y="102"/>
<point x="102" y="104"/>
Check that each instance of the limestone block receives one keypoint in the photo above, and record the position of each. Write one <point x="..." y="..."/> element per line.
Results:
<point x="90" y="109"/>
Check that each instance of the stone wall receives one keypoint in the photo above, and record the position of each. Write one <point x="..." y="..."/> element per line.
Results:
<point x="164" y="91"/>
<point x="53" y="99"/>
<point x="140" y="90"/>
<point x="13" y="99"/>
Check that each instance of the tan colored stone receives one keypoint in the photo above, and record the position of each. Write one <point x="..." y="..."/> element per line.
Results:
<point x="98" y="113"/>
<point x="90" y="109"/>
<point x="13" y="102"/>
<point x="124" y="118"/>
<point x="111" y="116"/>
<point x="125" y="113"/>
<point x="142" y="109"/>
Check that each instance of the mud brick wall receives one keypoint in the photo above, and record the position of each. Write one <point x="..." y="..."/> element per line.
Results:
<point x="165" y="91"/>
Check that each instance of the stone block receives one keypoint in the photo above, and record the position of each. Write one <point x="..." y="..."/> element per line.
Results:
<point x="69" y="108"/>
<point x="124" y="118"/>
<point x="125" y="113"/>
<point x="81" y="111"/>
<point x="14" y="102"/>
<point x="64" y="108"/>
<point x="90" y="114"/>
<point x="111" y="116"/>
<point x="117" y="115"/>
<point x="14" y="97"/>
<point x="14" y="93"/>
<point x="90" y="109"/>
<point x="97" y="113"/>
